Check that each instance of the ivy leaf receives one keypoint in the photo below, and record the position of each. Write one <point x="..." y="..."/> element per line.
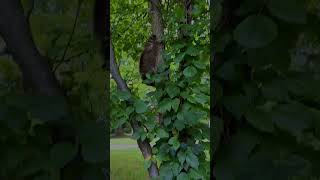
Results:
<point x="61" y="154"/>
<point x="174" y="142"/>
<point x="191" y="117"/>
<point x="180" y="57"/>
<point x="140" y="106"/>
<point x="255" y="31"/>
<point x="190" y="71"/>
<point x="193" y="174"/>
<point x="192" y="51"/>
<point x="179" y="124"/>
<point x="183" y="176"/>
<point x="237" y="104"/>
<point x="165" y="105"/>
<point x="166" y="171"/>
<point x="201" y="98"/>
<point x="161" y="133"/>
<point x="147" y="163"/>
<point x="199" y="65"/>
<point x="175" y="104"/>
<point x="181" y="156"/>
<point x="192" y="159"/>
<point x="292" y="11"/>
<point x="123" y="95"/>
<point x="172" y="90"/>
<point x="260" y="120"/>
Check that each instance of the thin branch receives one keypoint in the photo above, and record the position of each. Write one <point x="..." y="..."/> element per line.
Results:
<point x="72" y="57"/>
<point x="70" y="37"/>
<point x="53" y="44"/>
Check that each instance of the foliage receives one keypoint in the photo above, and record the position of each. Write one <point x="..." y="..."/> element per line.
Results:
<point x="266" y="85"/>
<point x="183" y="98"/>
<point x="29" y="146"/>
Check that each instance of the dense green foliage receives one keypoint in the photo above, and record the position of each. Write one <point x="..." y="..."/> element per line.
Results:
<point x="266" y="89"/>
<point x="30" y="148"/>
<point x="183" y="99"/>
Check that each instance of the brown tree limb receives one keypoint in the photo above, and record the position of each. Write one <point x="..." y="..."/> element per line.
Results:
<point x="36" y="71"/>
<point x="15" y="30"/>
<point x="144" y="146"/>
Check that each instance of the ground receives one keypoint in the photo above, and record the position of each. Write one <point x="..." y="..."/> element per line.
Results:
<point x="126" y="160"/>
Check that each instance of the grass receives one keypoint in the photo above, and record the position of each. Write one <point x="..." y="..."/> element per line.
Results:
<point x="122" y="140"/>
<point x="126" y="164"/>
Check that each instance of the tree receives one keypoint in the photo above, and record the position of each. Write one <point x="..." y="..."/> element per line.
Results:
<point x="180" y="139"/>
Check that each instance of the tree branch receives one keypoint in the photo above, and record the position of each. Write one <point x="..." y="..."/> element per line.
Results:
<point x="144" y="146"/>
<point x="15" y="30"/>
<point x="70" y="37"/>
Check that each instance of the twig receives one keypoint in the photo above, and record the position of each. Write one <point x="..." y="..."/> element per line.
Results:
<point x="72" y="57"/>
<point x="70" y="37"/>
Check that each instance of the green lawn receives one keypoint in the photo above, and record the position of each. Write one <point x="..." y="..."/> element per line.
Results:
<point x="126" y="164"/>
<point x="122" y="140"/>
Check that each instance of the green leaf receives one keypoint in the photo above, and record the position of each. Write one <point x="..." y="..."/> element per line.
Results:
<point x="174" y="142"/>
<point x="237" y="104"/>
<point x="201" y="98"/>
<point x="162" y="133"/>
<point x="123" y="95"/>
<point x="194" y="174"/>
<point x="293" y="118"/>
<point x="147" y="164"/>
<point x="192" y="159"/>
<point x="165" y="105"/>
<point x="182" y="156"/>
<point x="172" y="90"/>
<point x="44" y="108"/>
<point x="191" y="117"/>
<point x="260" y="120"/>
<point x="180" y="57"/>
<point x="179" y="124"/>
<point x="61" y="154"/>
<point x="255" y="31"/>
<point x="140" y="106"/>
<point x="292" y="11"/>
<point x="192" y="51"/>
<point x="190" y="71"/>
<point x="183" y="176"/>
<point x="175" y="104"/>
<point x="166" y="172"/>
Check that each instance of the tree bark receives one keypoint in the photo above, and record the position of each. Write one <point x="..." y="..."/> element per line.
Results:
<point x="14" y="29"/>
